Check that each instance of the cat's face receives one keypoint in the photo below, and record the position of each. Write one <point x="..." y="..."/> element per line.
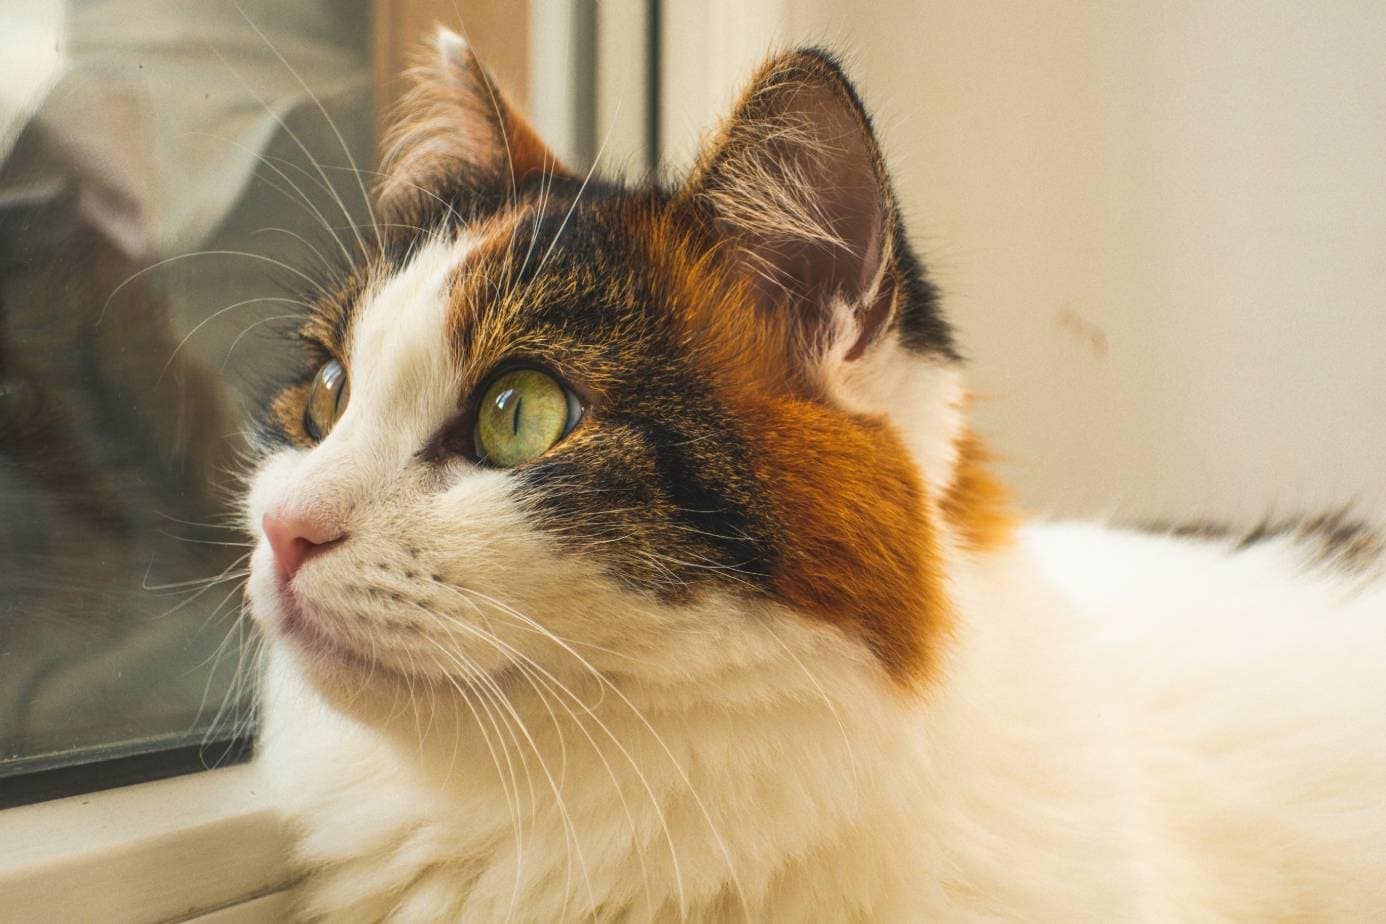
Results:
<point x="556" y="422"/>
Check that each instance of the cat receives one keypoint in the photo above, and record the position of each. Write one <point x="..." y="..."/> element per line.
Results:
<point x="625" y="554"/>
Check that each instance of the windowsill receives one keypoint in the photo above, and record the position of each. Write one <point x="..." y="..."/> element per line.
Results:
<point x="169" y="850"/>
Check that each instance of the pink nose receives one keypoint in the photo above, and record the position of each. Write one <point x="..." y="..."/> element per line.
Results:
<point x="295" y="539"/>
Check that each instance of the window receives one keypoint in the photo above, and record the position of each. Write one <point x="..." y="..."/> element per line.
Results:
<point x="172" y="177"/>
<point x="167" y="172"/>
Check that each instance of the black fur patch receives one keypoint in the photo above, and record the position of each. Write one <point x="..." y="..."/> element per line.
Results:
<point x="1334" y="541"/>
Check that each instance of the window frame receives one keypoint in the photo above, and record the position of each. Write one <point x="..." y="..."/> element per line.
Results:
<point x="113" y="767"/>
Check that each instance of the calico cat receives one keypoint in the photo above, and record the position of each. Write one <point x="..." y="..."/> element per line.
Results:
<point x="625" y="555"/>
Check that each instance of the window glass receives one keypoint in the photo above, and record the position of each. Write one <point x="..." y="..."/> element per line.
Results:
<point x="168" y="187"/>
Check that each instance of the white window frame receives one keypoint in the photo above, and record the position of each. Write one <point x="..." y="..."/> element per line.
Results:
<point x="207" y="846"/>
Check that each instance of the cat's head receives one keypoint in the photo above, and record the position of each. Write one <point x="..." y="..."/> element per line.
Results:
<point x="655" y="431"/>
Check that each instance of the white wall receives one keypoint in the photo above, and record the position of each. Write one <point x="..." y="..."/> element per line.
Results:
<point x="1161" y="229"/>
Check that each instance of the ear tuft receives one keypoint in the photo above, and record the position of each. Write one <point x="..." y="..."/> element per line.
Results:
<point x="456" y="123"/>
<point x="452" y="48"/>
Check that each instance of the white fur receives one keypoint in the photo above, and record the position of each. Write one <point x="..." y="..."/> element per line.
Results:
<point x="1123" y="728"/>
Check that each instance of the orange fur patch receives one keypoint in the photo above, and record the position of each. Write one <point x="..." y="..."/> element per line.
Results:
<point x="860" y="550"/>
<point x="744" y="349"/>
<point x="527" y="155"/>
<point x="976" y="505"/>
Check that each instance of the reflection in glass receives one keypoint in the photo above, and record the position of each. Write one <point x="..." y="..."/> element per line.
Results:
<point x="167" y="187"/>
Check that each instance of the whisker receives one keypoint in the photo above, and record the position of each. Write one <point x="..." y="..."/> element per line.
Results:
<point x="630" y="759"/>
<point x="511" y="792"/>
<point x="228" y="526"/>
<point x="823" y="694"/>
<point x="290" y="133"/>
<point x="199" y="253"/>
<point x="365" y="197"/>
<point x="234" y="545"/>
<point x="606" y="138"/>
<point x="197" y="582"/>
<point x="327" y="264"/>
<point x="659" y="739"/>
<point x="304" y="201"/>
<point x="254" y="324"/>
<point x="475" y="674"/>
<point x="490" y="684"/>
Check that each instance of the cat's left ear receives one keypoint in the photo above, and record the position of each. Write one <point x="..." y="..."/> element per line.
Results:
<point x="456" y="123"/>
<point x="795" y="178"/>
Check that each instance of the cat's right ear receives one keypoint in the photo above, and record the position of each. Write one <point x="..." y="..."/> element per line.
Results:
<point x="456" y="123"/>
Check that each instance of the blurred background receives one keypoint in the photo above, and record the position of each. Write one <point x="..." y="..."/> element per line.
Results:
<point x="1160" y="229"/>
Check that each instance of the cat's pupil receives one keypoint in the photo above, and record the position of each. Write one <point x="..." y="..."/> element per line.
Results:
<point x="503" y="405"/>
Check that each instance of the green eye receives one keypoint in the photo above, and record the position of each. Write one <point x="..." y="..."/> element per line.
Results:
<point x="327" y="399"/>
<point x="523" y="413"/>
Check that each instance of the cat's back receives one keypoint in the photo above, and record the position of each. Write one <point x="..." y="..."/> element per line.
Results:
<point x="1248" y="673"/>
<point x="1224" y="598"/>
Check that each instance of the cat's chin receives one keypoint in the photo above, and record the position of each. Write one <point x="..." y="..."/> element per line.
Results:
<point x="345" y="679"/>
<point x="327" y="662"/>
<point x="299" y="629"/>
<point x="365" y="688"/>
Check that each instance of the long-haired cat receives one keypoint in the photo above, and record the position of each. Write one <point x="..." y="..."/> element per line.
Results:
<point x="626" y="555"/>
